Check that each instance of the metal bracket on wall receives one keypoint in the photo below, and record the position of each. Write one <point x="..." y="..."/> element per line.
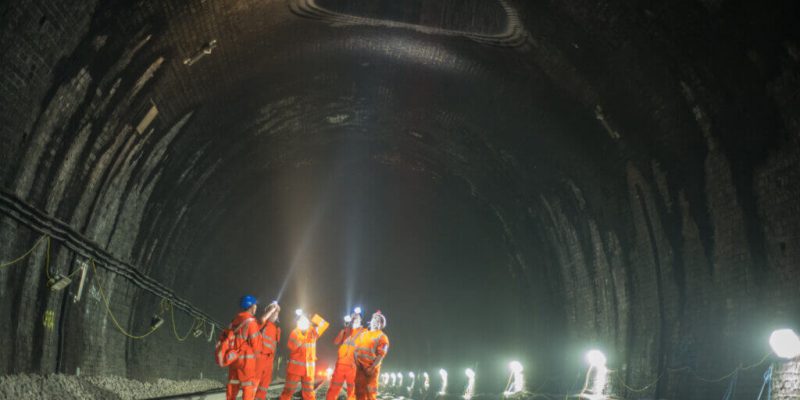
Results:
<point x="37" y="220"/>
<point x="84" y="268"/>
<point x="206" y="50"/>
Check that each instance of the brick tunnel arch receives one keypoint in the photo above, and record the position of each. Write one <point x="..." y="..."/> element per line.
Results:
<point x="599" y="175"/>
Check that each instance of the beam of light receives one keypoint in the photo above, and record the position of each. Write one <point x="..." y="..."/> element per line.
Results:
<point x="469" y="391"/>
<point x="598" y="374"/>
<point x="413" y="379"/>
<point x="785" y="343"/>
<point x="301" y="250"/>
<point x="443" y="375"/>
<point x="426" y="382"/>
<point x="516" y="382"/>
<point x="353" y="253"/>
<point x="355" y="214"/>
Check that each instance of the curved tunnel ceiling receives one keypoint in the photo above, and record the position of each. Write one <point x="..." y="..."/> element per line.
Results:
<point x="503" y="178"/>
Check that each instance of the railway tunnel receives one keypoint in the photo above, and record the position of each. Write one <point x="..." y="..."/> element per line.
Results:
<point x="503" y="179"/>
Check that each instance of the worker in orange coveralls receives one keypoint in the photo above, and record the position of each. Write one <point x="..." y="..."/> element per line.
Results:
<point x="270" y="335"/>
<point x="345" y="371"/>
<point x="371" y="348"/>
<point x="303" y="356"/>
<point x="242" y="373"/>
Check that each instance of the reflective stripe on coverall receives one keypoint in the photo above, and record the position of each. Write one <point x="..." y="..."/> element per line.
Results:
<point x="302" y="359"/>
<point x="270" y="336"/>
<point x="345" y="371"/>
<point x="242" y="373"/>
<point x="371" y="346"/>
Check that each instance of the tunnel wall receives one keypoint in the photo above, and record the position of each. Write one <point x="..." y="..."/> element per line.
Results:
<point x="673" y="249"/>
<point x="71" y="149"/>
<point x="700" y="249"/>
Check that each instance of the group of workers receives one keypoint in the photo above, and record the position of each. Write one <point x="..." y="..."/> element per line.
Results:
<point x="358" y="364"/>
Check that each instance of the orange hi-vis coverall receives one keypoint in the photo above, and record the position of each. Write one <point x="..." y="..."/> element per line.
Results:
<point x="302" y="359"/>
<point x="242" y="373"/>
<point x="371" y="348"/>
<point x="345" y="371"/>
<point x="270" y="336"/>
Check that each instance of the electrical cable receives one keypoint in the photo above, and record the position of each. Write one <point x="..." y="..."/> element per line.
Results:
<point x="111" y="314"/>
<point x="26" y="254"/>
<point x="740" y="368"/>
<point x="35" y="219"/>
<point x="637" y="390"/>
<point x="693" y="374"/>
<point x="731" y="391"/>
<point x="767" y="384"/>
<point x="174" y="325"/>
<point x="195" y="323"/>
<point x="47" y="268"/>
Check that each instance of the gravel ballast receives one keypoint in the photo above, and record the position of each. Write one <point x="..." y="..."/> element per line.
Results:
<point x="58" y="386"/>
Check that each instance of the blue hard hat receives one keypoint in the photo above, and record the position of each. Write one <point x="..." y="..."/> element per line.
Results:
<point x="247" y="301"/>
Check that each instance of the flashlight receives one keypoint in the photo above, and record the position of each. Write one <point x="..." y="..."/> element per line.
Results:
<point x="298" y="312"/>
<point x="347" y="319"/>
<point x="357" y="310"/>
<point x="303" y="323"/>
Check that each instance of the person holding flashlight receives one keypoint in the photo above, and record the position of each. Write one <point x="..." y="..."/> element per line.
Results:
<point x="345" y="371"/>
<point x="371" y="348"/>
<point x="303" y="356"/>
<point x="270" y="334"/>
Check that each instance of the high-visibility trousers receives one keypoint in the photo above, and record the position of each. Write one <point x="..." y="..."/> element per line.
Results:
<point x="367" y="385"/>
<point x="342" y="374"/>
<point x="305" y="382"/>
<point x="264" y="374"/>
<point x="241" y="378"/>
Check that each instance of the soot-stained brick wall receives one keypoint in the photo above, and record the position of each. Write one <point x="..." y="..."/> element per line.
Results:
<point x="640" y="162"/>
<point x="71" y="103"/>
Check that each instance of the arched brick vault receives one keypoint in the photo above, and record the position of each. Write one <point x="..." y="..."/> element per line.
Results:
<point x="502" y="178"/>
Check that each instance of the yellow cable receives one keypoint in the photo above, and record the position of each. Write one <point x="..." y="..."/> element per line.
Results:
<point x="164" y="302"/>
<point x="22" y="257"/>
<point x="738" y="369"/>
<point x="696" y="376"/>
<point x="174" y="326"/>
<point x="110" y="314"/>
<point x="637" y="390"/>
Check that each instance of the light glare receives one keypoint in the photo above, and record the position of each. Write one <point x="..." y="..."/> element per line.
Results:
<point x="785" y="343"/>
<point x="443" y="375"/>
<point x="469" y="391"/>
<point x="516" y="382"/>
<point x="303" y="323"/>
<point x="596" y="358"/>
<point x="515" y="366"/>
